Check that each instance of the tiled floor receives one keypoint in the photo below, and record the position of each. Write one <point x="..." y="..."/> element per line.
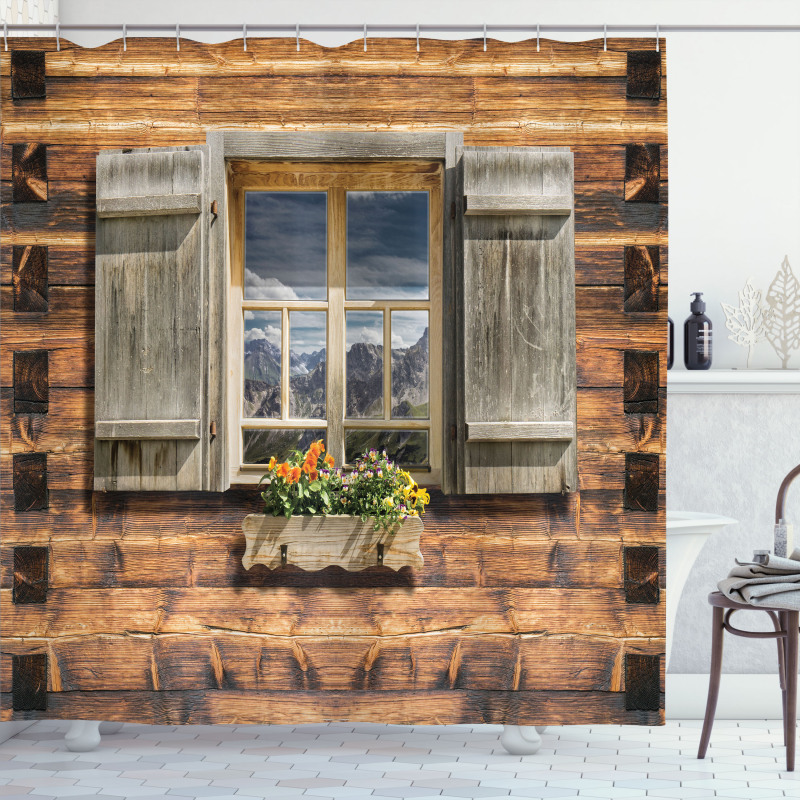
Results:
<point x="350" y="760"/>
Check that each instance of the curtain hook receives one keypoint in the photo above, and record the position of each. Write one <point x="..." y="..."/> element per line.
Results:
<point x="365" y="37"/>
<point x="58" y="36"/>
<point x="418" y="37"/>
<point x="178" y="36"/>
<point x="244" y="35"/>
<point x="297" y="35"/>
<point x="124" y="38"/>
<point x="658" y="44"/>
<point x="605" y="37"/>
<point x="537" y="37"/>
<point x="484" y="37"/>
<point x="5" y="35"/>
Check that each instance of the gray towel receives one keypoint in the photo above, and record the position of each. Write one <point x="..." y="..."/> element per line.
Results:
<point x="775" y="584"/>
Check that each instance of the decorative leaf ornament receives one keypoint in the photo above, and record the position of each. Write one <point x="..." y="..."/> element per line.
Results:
<point x="783" y="325"/>
<point x="747" y="323"/>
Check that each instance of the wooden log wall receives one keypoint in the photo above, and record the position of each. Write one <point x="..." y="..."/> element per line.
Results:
<point x="529" y="609"/>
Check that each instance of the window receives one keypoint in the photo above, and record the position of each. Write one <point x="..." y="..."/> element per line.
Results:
<point x="335" y="311"/>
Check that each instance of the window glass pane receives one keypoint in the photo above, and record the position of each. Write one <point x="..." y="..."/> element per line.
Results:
<point x="387" y="245"/>
<point x="408" y="448"/>
<point x="260" y="446"/>
<point x="364" y="332"/>
<point x="262" y="364"/>
<point x="285" y="246"/>
<point x="307" y="345"/>
<point x="410" y="364"/>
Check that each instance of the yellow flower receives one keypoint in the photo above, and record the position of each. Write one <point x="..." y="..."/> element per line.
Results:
<point x="388" y="501"/>
<point x="271" y="464"/>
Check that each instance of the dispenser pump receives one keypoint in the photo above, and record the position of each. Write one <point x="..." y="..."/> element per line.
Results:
<point x="697" y="306"/>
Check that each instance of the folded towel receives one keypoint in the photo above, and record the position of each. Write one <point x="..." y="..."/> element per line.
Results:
<point x="775" y="583"/>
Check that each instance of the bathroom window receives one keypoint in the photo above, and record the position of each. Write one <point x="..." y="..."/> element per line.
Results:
<point x="335" y="312"/>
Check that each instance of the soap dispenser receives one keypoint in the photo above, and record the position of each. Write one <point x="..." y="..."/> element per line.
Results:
<point x="697" y="336"/>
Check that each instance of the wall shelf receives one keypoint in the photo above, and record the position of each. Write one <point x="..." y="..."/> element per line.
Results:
<point x="734" y="381"/>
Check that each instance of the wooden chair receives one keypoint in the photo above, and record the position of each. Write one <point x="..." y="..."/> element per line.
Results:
<point x="785" y="633"/>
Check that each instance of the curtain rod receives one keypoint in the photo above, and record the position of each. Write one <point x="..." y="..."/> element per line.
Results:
<point x="416" y="29"/>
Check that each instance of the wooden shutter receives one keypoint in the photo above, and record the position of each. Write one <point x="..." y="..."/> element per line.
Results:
<point x="151" y="326"/>
<point x="519" y="379"/>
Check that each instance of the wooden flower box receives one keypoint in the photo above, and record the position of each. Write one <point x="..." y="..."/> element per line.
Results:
<point x="313" y="543"/>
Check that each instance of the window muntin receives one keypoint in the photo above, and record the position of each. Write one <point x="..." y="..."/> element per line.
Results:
<point x="379" y="296"/>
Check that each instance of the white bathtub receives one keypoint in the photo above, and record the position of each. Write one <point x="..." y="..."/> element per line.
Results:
<point x="687" y="532"/>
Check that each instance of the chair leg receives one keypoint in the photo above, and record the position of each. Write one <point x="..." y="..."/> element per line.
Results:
<point x="717" y="632"/>
<point x="782" y="625"/>
<point x="790" y="717"/>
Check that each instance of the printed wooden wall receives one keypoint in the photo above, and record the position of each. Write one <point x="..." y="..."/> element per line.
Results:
<point x="128" y="606"/>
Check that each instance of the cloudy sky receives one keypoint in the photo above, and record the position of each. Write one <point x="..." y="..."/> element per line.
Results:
<point x="286" y="245"/>
<point x="387" y="245"/>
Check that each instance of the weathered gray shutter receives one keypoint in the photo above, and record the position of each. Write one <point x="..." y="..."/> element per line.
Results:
<point x="519" y="379"/>
<point x="151" y="325"/>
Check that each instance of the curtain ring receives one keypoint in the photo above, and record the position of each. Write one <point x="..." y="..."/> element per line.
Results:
<point x="484" y="37"/>
<point x="658" y="45"/>
<point x="605" y="37"/>
<point x="297" y="35"/>
<point x="537" y="37"/>
<point x="365" y="37"/>
<point x="125" y="38"/>
<point x="418" y="37"/>
<point x="178" y="36"/>
<point x="244" y="35"/>
<point x="58" y="36"/>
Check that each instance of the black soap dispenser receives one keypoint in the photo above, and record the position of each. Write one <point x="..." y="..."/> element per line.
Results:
<point x="697" y="336"/>
<point x="670" y="342"/>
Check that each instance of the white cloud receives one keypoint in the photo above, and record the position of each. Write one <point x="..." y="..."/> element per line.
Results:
<point x="270" y="333"/>
<point x="249" y="315"/>
<point x="266" y="288"/>
<point x="370" y="336"/>
<point x="397" y="341"/>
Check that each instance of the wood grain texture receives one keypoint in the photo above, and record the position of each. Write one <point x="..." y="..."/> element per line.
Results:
<point x="313" y="543"/>
<point x="518" y="356"/>
<point x="29" y="682"/>
<point x="28" y="74"/>
<point x="642" y="682"/>
<point x="644" y="74"/>
<point x="29" y="278"/>
<point x="641" y="481"/>
<point x="31" y="382"/>
<point x="507" y="205"/>
<point x="642" y="173"/>
<point x="641" y="382"/>
<point x="642" y="278"/>
<point x="29" y="173"/>
<point x="150" y="268"/>
<point x="445" y="707"/>
<point x="520" y="431"/>
<point x="509" y="584"/>
<point x="30" y="481"/>
<point x="30" y="575"/>
<point x="641" y="574"/>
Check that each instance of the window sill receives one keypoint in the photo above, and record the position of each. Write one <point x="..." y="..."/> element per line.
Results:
<point x="734" y="381"/>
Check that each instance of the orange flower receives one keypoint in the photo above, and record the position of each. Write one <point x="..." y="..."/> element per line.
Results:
<point x="283" y="470"/>
<point x="308" y="467"/>
<point x="328" y="461"/>
<point x="294" y="475"/>
<point x="271" y="464"/>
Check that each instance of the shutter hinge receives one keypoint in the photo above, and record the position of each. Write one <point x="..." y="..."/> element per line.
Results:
<point x="453" y="210"/>
<point x="452" y="433"/>
<point x="213" y="430"/>
<point x="214" y="209"/>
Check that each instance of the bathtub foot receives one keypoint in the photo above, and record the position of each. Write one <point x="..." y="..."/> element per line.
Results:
<point x="110" y="727"/>
<point x="521" y="740"/>
<point x="82" y="736"/>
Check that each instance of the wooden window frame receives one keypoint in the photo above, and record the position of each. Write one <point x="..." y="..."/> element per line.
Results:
<point x="335" y="178"/>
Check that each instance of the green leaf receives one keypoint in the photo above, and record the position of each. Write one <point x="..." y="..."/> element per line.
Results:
<point x="300" y="489"/>
<point x="314" y="486"/>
